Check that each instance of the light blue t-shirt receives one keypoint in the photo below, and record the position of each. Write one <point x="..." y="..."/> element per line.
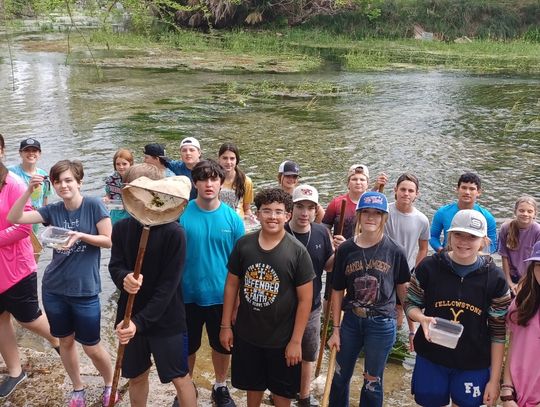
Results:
<point x="443" y="219"/>
<point x="74" y="272"/>
<point x="41" y="192"/>
<point x="210" y="238"/>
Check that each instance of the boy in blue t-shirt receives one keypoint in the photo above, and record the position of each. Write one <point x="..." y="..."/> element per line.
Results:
<point x="212" y="228"/>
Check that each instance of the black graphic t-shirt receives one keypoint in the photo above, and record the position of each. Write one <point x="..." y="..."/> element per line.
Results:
<point x="268" y="281"/>
<point x="370" y="275"/>
<point x="319" y="247"/>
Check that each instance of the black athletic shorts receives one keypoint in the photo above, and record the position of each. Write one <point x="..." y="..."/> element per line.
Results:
<point x="21" y="300"/>
<point x="257" y="369"/>
<point x="196" y="317"/>
<point x="169" y="352"/>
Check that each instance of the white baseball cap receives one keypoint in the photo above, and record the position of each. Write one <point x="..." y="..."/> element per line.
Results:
<point x="305" y="192"/>
<point x="469" y="221"/>
<point x="354" y="167"/>
<point x="190" y="141"/>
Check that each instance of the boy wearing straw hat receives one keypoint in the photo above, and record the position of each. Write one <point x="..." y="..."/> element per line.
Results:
<point x="158" y="322"/>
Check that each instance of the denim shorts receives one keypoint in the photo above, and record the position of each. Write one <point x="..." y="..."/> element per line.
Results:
<point x="433" y="385"/>
<point x="74" y="315"/>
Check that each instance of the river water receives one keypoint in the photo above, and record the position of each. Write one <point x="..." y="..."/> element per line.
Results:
<point x="434" y="124"/>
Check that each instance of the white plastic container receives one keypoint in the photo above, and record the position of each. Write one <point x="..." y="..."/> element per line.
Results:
<point x="445" y="333"/>
<point x="54" y="237"/>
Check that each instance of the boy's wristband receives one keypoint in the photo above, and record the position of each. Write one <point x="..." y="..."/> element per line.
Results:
<point x="225" y="327"/>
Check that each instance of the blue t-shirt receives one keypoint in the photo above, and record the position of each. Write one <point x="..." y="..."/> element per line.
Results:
<point x="179" y="168"/>
<point x="443" y="219"/>
<point x="74" y="272"/>
<point x="210" y="238"/>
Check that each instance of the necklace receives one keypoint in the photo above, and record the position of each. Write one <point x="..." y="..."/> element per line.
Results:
<point x="308" y="239"/>
<point x="378" y="245"/>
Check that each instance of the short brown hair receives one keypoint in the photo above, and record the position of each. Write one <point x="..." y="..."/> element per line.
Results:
<point x="74" y="166"/>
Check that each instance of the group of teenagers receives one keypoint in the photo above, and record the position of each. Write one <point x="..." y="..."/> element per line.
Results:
<point x="259" y="294"/>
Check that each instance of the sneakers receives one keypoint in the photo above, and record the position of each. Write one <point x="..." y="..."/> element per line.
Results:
<point x="77" y="399"/>
<point x="222" y="398"/>
<point x="106" y="397"/>
<point x="9" y="383"/>
<point x="308" y="402"/>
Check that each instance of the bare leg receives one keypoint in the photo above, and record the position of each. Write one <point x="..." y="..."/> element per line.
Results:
<point x="185" y="391"/>
<point x="8" y="345"/>
<point x="41" y="327"/>
<point x="254" y="398"/>
<point x="138" y="390"/>
<point x="305" y="381"/>
<point x="70" y="360"/>
<point x="101" y="360"/>
<point x="281" y="401"/>
<point x="191" y="363"/>
<point x="221" y="365"/>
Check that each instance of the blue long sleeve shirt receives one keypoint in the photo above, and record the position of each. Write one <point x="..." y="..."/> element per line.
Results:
<point x="443" y="219"/>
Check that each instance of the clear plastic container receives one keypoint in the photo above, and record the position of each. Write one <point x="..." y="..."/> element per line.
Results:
<point x="114" y="204"/>
<point x="54" y="237"/>
<point x="445" y="333"/>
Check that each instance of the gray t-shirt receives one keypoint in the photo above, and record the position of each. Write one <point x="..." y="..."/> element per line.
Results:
<point x="370" y="275"/>
<point x="406" y="229"/>
<point x="74" y="272"/>
<point x="268" y="281"/>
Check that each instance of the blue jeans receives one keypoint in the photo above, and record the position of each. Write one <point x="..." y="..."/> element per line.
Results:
<point x="376" y="336"/>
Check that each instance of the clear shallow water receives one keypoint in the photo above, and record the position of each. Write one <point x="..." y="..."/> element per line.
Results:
<point x="436" y="125"/>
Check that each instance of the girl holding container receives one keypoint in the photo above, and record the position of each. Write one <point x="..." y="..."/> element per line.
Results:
<point x="467" y="288"/>
<point x="71" y="282"/>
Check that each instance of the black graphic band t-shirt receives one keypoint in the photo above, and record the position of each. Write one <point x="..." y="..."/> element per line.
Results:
<point x="370" y="275"/>
<point x="268" y="281"/>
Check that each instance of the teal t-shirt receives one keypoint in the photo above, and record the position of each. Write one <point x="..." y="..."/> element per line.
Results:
<point x="41" y="192"/>
<point x="210" y="238"/>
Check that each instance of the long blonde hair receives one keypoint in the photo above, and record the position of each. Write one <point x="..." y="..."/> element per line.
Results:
<point x="358" y="227"/>
<point x="512" y="238"/>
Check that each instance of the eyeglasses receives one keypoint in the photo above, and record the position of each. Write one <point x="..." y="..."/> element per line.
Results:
<point x="269" y="212"/>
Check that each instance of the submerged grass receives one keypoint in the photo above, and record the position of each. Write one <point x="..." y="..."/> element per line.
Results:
<point x="311" y="47"/>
